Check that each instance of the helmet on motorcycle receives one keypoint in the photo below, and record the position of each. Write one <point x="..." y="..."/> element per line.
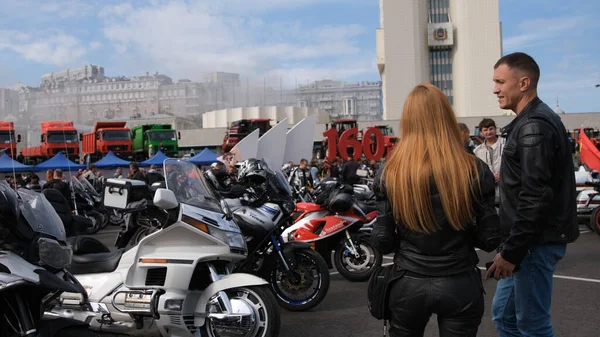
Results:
<point x="253" y="171"/>
<point x="9" y="205"/>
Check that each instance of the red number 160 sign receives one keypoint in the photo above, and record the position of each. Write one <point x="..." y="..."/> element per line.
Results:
<point x="372" y="144"/>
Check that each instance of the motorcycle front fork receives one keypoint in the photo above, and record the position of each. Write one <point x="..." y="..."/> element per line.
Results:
<point x="350" y="245"/>
<point x="222" y="298"/>
<point x="23" y="314"/>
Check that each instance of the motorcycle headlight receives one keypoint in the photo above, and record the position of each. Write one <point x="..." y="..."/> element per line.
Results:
<point x="54" y="254"/>
<point x="234" y="240"/>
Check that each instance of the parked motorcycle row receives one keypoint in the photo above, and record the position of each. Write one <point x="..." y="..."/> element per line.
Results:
<point x="198" y="254"/>
<point x="588" y="203"/>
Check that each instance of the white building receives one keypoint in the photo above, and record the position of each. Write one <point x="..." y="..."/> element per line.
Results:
<point x="453" y="44"/>
<point x="358" y="100"/>
<point x="223" y="118"/>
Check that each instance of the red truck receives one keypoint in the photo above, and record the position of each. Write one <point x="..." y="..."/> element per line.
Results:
<point x="243" y="127"/>
<point x="107" y="136"/>
<point x="8" y="143"/>
<point x="56" y="136"/>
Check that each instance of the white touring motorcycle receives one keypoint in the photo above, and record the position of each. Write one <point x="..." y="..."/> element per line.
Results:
<point x="176" y="281"/>
<point x="33" y="254"/>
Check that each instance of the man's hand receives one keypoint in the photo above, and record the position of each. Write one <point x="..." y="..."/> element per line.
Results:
<point x="497" y="176"/>
<point x="500" y="269"/>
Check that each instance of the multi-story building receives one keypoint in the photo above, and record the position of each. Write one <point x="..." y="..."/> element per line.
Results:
<point x="453" y="44"/>
<point x="361" y="101"/>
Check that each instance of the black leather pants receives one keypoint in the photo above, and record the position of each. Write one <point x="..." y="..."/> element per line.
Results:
<point x="457" y="300"/>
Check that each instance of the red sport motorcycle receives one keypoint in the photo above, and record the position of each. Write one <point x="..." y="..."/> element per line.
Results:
<point x="338" y="222"/>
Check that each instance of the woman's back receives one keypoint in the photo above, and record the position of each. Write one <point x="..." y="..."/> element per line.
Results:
<point x="432" y="194"/>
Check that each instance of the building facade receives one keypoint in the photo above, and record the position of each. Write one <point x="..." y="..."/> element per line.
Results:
<point x="223" y="118"/>
<point x="452" y="44"/>
<point x="358" y="100"/>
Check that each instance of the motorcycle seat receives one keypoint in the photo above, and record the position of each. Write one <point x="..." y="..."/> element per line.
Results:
<point x="364" y="195"/>
<point x="95" y="263"/>
<point x="366" y="207"/>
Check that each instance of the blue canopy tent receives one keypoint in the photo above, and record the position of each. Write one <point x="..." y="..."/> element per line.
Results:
<point x="206" y="157"/>
<point x="59" y="161"/>
<point x="111" y="161"/>
<point x="7" y="164"/>
<point x="157" y="159"/>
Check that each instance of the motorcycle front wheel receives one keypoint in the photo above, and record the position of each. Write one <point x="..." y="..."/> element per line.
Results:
<point x="305" y="285"/>
<point x="263" y="318"/>
<point x="357" y="268"/>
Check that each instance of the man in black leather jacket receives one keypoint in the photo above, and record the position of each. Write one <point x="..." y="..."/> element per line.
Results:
<point x="537" y="202"/>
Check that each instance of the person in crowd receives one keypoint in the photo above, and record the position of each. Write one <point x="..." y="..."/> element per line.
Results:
<point x="20" y="157"/>
<point x="118" y="173"/>
<point x="348" y="173"/>
<point x="79" y="173"/>
<point x="135" y="173"/>
<point x="537" y="209"/>
<point x="100" y="181"/>
<point x="301" y="177"/>
<point x="90" y="175"/>
<point x="49" y="176"/>
<point x="490" y="151"/>
<point x="426" y="206"/>
<point x="154" y="175"/>
<point x="60" y="185"/>
<point x="466" y="136"/>
<point x="288" y="168"/>
<point x="34" y="185"/>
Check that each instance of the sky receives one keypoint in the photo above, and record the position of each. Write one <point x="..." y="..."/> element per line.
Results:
<point x="297" y="41"/>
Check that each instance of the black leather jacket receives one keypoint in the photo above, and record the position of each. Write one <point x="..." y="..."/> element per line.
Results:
<point x="537" y="183"/>
<point x="447" y="251"/>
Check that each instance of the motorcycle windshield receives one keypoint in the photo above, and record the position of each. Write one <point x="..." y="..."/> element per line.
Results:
<point x="189" y="186"/>
<point x="40" y="215"/>
<point x="88" y="187"/>
<point x="76" y="185"/>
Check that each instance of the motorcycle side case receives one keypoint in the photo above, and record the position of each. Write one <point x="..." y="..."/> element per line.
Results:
<point x="118" y="193"/>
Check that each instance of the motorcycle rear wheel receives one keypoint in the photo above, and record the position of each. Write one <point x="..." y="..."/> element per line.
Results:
<point x="97" y="218"/>
<point x="281" y="279"/>
<point x="261" y="300"/>
<point x="370" y="257"/>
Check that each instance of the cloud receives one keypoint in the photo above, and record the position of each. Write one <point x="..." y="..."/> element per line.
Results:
<point x="185" y="40"/>
<point x="66" y="9"/>
<point x="538" y="32"/>
<point x="56" y="48"/>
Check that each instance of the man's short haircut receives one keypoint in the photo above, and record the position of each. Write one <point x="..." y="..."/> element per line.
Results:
<point x="523" y="63"/>
<point x="487" y="123"/>
<point x="135" y="165"/>
<point x="303" y="161"/>
<point x="464" y="127"/>
<point x="58" y="173"/>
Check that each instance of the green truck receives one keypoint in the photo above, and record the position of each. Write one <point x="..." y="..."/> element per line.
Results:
<point x="148" y="139"/>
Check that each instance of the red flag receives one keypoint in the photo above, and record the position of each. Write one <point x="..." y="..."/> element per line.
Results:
<point x="588" y="152"/>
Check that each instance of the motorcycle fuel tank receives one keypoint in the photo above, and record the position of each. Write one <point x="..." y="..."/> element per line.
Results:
<point x="264" y="217"/>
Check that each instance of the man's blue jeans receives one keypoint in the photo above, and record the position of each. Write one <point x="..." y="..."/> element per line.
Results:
<point x="521" y="306"/>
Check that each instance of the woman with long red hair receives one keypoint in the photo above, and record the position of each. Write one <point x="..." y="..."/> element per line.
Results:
<point x="436" y="206"/>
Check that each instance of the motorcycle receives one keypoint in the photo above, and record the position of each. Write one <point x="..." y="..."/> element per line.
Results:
<point x="338" y="222"/>
<point x="299" y="276"/>
<point x="177" y="281"/>
<point x="33" y="255"/>
<point x="588" y="203"/>
<point x="88" y="203"/>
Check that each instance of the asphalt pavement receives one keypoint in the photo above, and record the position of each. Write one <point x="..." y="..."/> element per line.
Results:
<point x="575" y="299"/>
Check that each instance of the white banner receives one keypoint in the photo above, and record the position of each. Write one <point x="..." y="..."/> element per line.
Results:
<point x="300" y="140"/>
<point x="271" y="146"/>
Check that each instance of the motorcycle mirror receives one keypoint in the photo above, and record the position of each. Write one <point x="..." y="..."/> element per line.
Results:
<point x="228" y="215"/>
<point x="165" y="199"/>
<point x="594" y="174"/>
